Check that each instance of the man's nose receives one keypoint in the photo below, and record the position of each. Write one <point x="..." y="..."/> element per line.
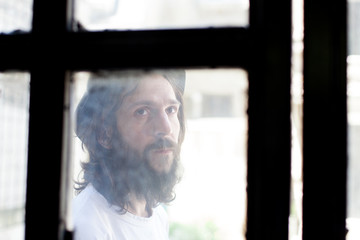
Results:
<point x="162" y="125"/>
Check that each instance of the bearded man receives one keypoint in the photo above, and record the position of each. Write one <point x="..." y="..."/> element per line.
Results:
<point x="132" y="126"/>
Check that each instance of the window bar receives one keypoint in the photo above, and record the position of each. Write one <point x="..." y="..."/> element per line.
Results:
<point x="269" y="150"/>
<point x="46" y="119"/>
<point x="325" y="120"/>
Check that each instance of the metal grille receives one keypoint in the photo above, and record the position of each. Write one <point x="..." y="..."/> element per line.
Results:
<point x="14" y="115"/>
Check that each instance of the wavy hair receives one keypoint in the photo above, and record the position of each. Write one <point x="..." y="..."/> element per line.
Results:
<point x="117" y="171"/>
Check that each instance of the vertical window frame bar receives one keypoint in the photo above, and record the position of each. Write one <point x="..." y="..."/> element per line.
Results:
<point x="269" y="143"/>
<point x="49" y="26"/>
<point x="325" y="120"/>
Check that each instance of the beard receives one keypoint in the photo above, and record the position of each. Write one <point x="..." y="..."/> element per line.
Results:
<point x="148" y="176"/>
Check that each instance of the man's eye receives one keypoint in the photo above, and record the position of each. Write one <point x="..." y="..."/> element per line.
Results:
<point x="171" y="110"/>
<point x="141" y="112"/>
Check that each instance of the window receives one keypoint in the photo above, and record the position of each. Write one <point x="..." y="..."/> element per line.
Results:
<point x="262" y="47"/>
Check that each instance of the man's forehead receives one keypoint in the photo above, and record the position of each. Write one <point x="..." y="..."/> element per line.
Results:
<point x="127" y="78"/>
<point x="151" y="90"/>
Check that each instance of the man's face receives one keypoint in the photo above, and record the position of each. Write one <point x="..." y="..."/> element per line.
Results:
<point x="148" y="122"/>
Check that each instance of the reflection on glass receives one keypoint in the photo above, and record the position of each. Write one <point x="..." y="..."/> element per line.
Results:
<point x="15" y="15"/>
<point x="131" y="129"/>
<point x="353" y="103"/>
<point x="14" y="116"/>
<point x="160" y="14"/>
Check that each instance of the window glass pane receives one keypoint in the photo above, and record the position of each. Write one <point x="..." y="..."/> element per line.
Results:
<point x="353" y="91"/>
<point x="295" y="219"/>
<point x="15" y="15"/>
<point x="160" y="14"/>
<point x="14" y="116"/>
<point x="139" y="109"/>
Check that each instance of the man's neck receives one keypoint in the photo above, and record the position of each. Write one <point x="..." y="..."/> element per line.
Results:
<point x="138" y="206"/>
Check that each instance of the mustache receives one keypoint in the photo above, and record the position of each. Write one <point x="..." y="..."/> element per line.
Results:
<point x="162" y="143"/>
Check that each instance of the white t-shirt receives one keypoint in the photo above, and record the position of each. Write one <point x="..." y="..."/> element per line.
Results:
<point x="95" y="219"/>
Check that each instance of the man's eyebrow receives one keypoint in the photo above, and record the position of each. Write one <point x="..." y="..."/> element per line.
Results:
<point x="174" y="102"/>
<point x="150" y="103"/>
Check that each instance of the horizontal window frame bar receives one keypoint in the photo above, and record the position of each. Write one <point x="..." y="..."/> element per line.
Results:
<point x="211" y="47"/>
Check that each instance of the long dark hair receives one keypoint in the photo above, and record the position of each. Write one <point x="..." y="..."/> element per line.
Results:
<point x="111" y="170"/>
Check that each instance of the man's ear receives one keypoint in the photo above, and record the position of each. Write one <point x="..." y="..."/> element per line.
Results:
<point x="104" y="138"/>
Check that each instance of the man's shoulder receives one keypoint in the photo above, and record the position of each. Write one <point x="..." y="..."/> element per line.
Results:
<point x="161" y="215"/>
<point x="160" y="210"/>
<point x="84" y="230"/>
<point x="89" y="216"/>
<point x="89" y="205"/>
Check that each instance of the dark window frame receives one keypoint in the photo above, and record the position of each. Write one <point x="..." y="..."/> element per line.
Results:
<point x="263" y="49"/>
<point x="325" y="119"/>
